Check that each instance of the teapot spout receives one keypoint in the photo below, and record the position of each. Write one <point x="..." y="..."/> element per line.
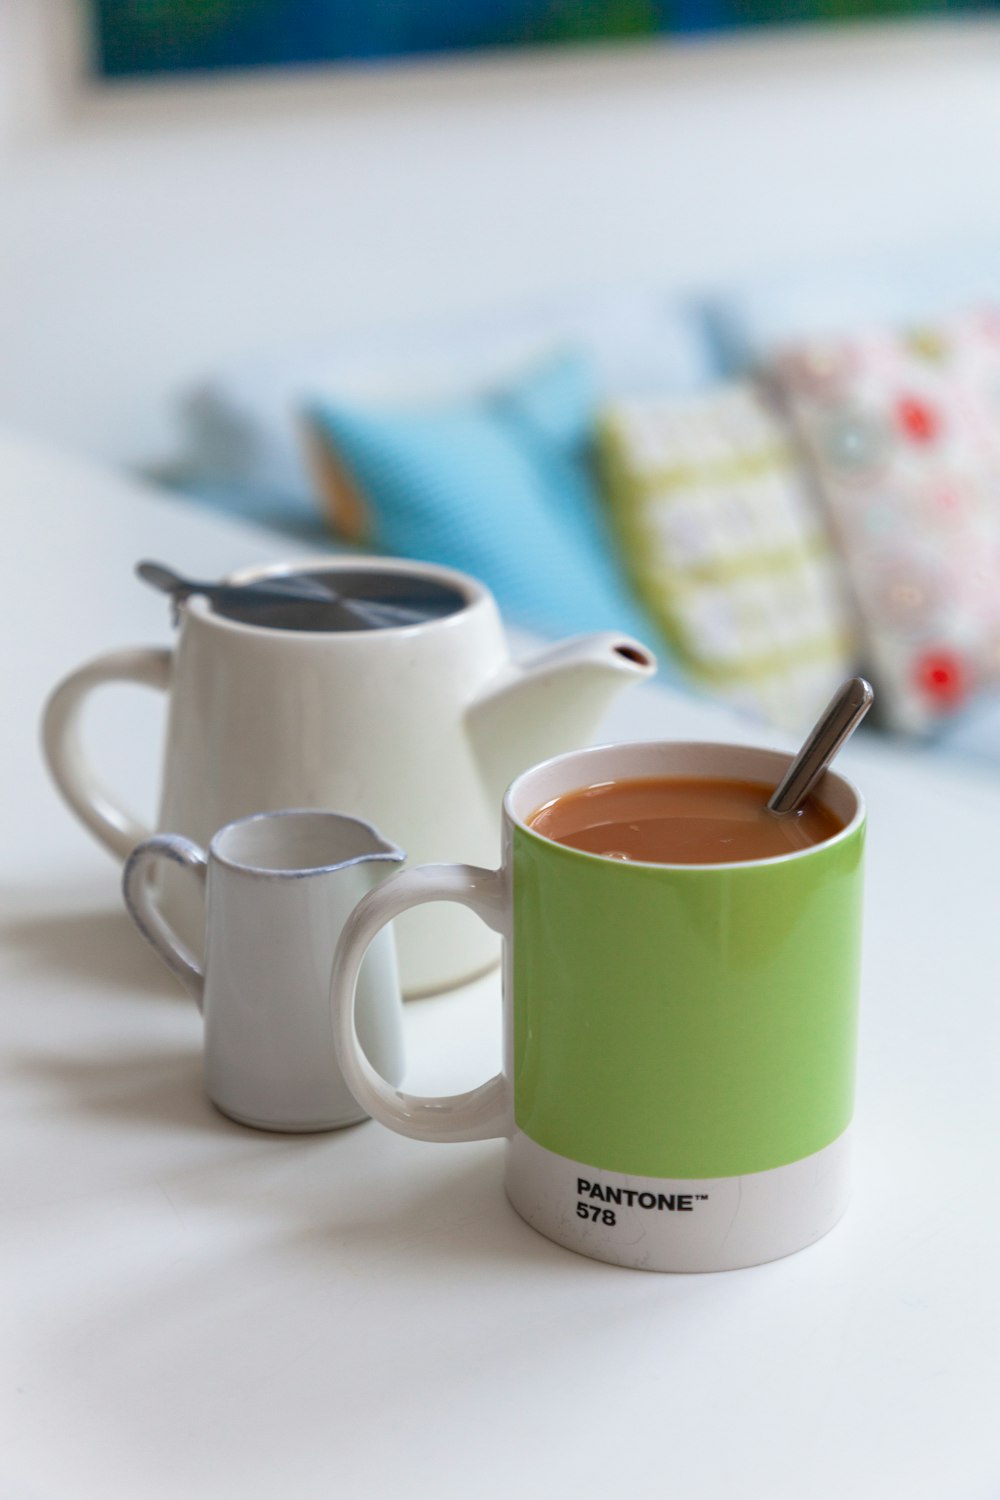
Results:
<point x="552" y="702"/>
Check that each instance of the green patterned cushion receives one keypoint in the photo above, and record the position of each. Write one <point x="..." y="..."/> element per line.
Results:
<point x="727" y="550"/>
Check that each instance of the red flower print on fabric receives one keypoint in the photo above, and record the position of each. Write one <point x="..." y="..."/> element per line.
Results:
<point x="943" y="677"/>
<point x="918" y="419"/>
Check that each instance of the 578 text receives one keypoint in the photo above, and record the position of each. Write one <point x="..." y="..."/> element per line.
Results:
<point x="595" y="1213"/>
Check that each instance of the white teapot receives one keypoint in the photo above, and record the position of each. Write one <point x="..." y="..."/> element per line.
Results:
<point x="417" y="728"/>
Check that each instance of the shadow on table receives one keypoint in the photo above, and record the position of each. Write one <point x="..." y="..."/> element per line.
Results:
<point x="95" y="954"/>
<point x="458" y="1222"/>
<point x="280" y="1323"/>
<point x="96" y="948"/>
<point x="412" y="1209"/>
<point x="153" y="1086"/>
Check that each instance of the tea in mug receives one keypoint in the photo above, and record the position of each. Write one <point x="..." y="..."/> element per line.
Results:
<point x="686" y="820"/>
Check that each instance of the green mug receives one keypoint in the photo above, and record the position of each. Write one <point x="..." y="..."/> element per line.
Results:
<point x="678" y="1072"/>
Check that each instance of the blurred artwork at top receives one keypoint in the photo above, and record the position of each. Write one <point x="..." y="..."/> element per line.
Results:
<point x="156" y="36"/>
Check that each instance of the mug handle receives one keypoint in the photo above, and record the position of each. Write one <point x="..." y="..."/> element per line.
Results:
<point x="115" y="828"/>
<point x="142" y="909"/>
<point x="483" y="1112"/>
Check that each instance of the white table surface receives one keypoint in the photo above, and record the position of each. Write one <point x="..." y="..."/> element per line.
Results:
<point x="193" y="1309"/>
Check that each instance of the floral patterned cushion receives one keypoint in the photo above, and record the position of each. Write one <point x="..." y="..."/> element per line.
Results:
<point x="903" y="431"/>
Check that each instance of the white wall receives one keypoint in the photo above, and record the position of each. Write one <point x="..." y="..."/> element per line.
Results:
<point x="146" y="233"/>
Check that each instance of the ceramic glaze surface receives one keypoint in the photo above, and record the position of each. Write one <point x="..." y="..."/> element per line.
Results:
<point x="700" y="1022"/>
<point x="680" y="1039"/>
<point x="271" y="927"/>
<point x="417" y="729"/>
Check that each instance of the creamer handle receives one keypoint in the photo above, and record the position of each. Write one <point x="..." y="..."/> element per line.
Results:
<point x="142" y="908"/>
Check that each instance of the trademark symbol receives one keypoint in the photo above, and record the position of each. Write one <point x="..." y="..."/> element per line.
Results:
<point x="702" y="1197"/>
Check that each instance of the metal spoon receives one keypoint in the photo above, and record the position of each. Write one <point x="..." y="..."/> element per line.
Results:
<point x="267" y="590"/>
<point x="275" y="589"/>
<point x="831" y="731"/>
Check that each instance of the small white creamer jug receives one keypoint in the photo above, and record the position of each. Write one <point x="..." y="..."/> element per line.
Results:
<point x="276" y="890"/>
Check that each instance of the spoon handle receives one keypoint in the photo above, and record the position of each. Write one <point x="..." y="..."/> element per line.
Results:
<point x="270" y="588"/>
<point x="841" y="717"/>
<point x="162" y="578"/>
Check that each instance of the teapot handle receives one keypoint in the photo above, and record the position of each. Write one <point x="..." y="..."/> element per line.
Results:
<point x="112" y="825"/>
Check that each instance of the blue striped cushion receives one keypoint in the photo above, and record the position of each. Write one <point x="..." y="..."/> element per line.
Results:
<point x="499" y="487"/>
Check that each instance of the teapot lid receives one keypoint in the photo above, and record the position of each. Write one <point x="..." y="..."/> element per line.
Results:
<point x="320" y="600"/>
